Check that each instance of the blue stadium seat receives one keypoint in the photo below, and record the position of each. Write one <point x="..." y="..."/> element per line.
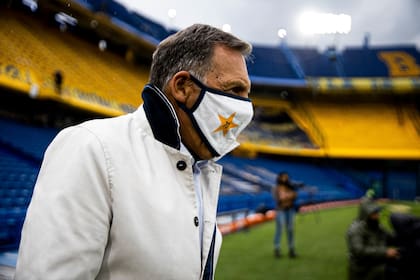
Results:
<point x="21" y="151"/>
<point x="359" y="62"/>
<point x="401" y="185"/>
<point x="27" y="139"/>
<point x="270" y="62"/>
<point x="128" y="20"/>
<point x="93" y="5"/>
<point x="326" y="184"/>
<point x="316" y="64"/>
<point x="365" y="62"/>
<point x="15" y="194"/>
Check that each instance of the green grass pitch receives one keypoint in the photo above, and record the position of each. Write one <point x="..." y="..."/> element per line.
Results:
<point x="320" y="245"/>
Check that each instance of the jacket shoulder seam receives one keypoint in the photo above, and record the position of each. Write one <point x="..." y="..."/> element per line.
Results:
<point x="107" y="158"/>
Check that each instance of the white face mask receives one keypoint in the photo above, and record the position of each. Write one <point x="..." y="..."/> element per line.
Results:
<point x="219" y="118"/>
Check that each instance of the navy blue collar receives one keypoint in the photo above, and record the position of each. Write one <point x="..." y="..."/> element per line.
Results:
<point x="161" y="116"/>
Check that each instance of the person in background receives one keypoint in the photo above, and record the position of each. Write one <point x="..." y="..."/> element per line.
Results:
<point x="367" y="244"/>
<point x="58" y="81"/>
<point x="407" y="238"/>
<point x="284" y="194"/>
<point x="135" y="197"/>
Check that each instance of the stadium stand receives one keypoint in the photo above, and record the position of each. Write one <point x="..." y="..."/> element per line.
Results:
<point x="17" y="177"/>
<point x="270" y="62"/>
<point x="313" y="63"/>
<point x="400" y="185"/>
<point x="381" y="61"/>
<point x="21" y="151"/>
<point x="366" y="129"/>
<point x="259" y="175"/>
<point x="279" y="131"/>
<point x="100" y="76"/>
<point x="132" y="21"/>
<point x="29" y="140"/>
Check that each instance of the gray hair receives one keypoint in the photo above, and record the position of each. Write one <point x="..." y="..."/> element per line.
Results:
<point x="191" y="50"/>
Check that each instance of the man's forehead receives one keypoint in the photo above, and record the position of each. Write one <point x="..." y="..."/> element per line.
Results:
<point x="229" y="66"/>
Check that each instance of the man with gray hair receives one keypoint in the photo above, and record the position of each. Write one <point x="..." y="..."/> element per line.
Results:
<point x="135" y="197"/>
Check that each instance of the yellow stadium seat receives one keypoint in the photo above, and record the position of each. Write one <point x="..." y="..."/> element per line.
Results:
<point x="87" y="71"/>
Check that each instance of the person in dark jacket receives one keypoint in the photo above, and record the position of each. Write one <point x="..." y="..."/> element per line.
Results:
<point x="284" y="194"/>
<point x="367" y="244"/>
<point x="407" y="238"/>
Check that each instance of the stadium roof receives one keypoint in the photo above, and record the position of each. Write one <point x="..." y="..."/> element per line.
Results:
<point x="388" y="22"/>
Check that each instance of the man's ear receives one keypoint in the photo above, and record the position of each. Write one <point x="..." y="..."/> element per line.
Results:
<point x="181" y="86"/>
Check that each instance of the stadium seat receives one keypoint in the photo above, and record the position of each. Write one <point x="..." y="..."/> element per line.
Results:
<point x="21" y="150"/>
<point x="368" y="62"/>
<point x="323" y="183"/>
<point x="86" y="70"/>
<point x="270" y="62"/>
<point x="366" y="127"/>
<point x="316" y="64"/>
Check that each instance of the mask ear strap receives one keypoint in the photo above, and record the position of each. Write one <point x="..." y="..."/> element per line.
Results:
<point x="197" y="128"/>
<point x="197" y="82"/>
<point x="203" y="89"/>
<point x="183" y="107"/>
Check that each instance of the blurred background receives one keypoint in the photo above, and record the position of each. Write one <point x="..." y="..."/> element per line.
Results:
<point x="335" y="88"/>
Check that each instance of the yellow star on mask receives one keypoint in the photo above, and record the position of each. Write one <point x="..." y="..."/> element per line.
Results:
<point x="226" y="124"/>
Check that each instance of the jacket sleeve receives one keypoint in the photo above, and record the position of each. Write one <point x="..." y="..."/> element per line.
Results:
<point x="66" y="227"/>
<point x="359" y="249"/>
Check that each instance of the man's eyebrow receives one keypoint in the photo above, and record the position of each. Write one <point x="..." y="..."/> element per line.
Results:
<point x="237" y="83"/>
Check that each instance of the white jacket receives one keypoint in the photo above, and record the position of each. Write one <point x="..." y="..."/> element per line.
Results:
<point x="112" y="201"/>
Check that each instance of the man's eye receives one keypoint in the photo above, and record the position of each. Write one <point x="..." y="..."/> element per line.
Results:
<point x="236" y="90"/>
<point x="239" y="91"/>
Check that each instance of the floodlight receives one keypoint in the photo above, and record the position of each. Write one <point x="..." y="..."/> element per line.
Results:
<point x="171" y="13"/>
<point x="226" y="27"/>
<point x="324" y="23"/>
<point x="32" y="4"/>
<point x="102" y="45"/>
<point x="64" y="18"/>
<point x="282" y="33"/>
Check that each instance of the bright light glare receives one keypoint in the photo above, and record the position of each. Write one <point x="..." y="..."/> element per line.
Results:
<point x="102" y="45"/>
<point x="64" y="18"/>
<point x="226" y="27"/>
<point x="324" y="23"/>
<point x="33" y="5"/>
<point x="282" y="33"/>
<point x="172" y="13"/>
